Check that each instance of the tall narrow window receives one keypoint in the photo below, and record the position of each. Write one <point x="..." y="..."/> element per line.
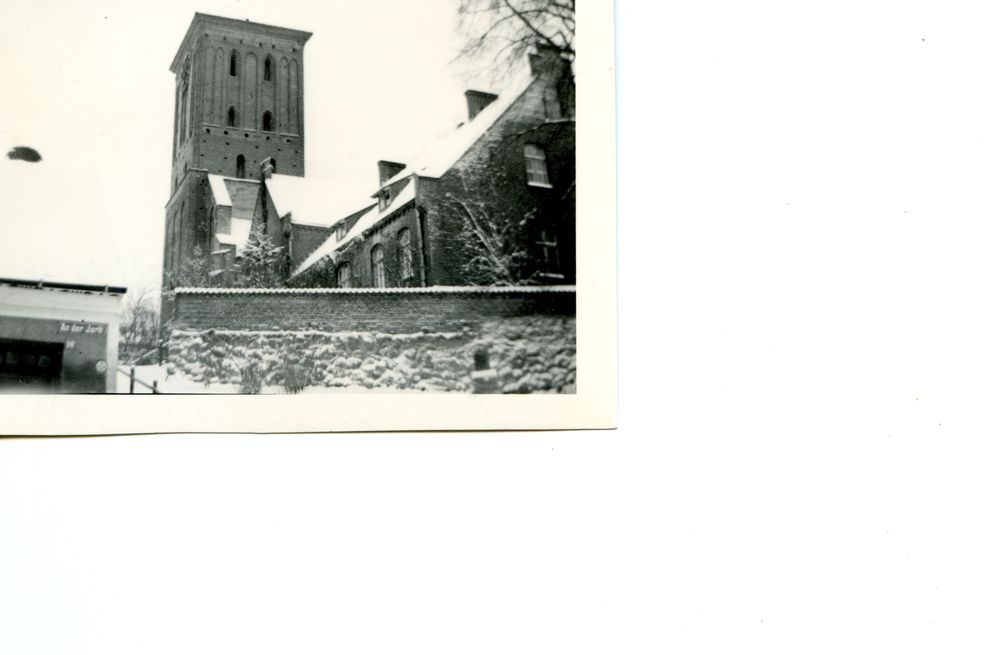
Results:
<point x="274" y="165"/>
<point x="268" y="65"/>
<point x="534" y="159"/>
<point x="233" y="59"/>
<point x="344" y="276"/>
<point x="241" y="167"/>
<point x="268" y="122"/>
<point x="231" y="117"/>
<point x="406" y="255"/>
<point x="550" y="255"/>
<point x="378" y="267"/>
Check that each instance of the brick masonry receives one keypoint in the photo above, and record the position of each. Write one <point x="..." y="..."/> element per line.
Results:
<point x="391" y="311"/>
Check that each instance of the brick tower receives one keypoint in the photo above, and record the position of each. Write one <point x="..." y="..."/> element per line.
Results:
<point x="238" y="106"/>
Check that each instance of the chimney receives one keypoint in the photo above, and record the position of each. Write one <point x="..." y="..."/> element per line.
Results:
<point x="388" y="170"/>
<point x="478" y="101"/>
<point x="546" y="60"/>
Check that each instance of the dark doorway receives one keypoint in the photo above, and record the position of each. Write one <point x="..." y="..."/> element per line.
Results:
<point x="30" y="366"/>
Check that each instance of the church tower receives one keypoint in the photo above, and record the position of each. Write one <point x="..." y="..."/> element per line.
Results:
<point x="238" y="109"/>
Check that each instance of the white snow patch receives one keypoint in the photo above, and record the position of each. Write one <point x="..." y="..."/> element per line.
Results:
<point x="240" y="233"/>
<point x="219" y="190"/>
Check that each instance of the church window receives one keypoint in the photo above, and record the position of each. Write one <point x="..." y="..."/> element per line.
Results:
<point x="233" y="64"/>
<point x="378" y="267"/>
<point x="268" y="65"/>
<point x="241" y="167"/>
<point x="406" y="256"/>
<point x="344" y="276"/>
<point x="274" y="165"/>
<point x="534" y="159"/>
<point x="550" y="254"/>
<point x="231" y="118"/>
<point x="268" y="122"/>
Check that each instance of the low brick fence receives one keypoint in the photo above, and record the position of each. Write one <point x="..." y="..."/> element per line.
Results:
<point x="392" y="311"/>
<point x="424" y="339"/>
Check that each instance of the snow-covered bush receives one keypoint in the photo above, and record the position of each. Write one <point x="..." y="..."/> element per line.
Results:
<point x="529" y="354"/>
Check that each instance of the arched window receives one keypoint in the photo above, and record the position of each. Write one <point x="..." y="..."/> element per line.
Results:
<point x="241" y="167"/>
<point x="378" y="267"/>
<point x="538" y="172"/>
<point x="231" y="117"/>
<point x="268" y="67"/>
<point x="344" y="276"/>
<point x="274" y="165"/>
<point x="233" y="64"/>
<point x="406" y="254"/>
<point x="268" y="122"/>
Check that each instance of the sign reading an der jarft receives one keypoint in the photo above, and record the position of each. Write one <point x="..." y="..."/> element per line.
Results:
<point x="83" y="328"/>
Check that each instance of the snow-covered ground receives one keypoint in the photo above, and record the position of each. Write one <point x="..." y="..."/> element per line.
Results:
<point x="177" y="383"/>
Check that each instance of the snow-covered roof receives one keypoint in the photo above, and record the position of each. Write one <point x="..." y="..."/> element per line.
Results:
<point x="239" y="233"/>
<point x="368" y="220"/>
<point x="54" y="226"/>
<point x="437" y="162"/>
<point x="219" y="190"/>
<point x="309" y="200"/>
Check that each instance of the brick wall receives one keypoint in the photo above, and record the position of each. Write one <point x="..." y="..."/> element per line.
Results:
<point x="392" y="311"/>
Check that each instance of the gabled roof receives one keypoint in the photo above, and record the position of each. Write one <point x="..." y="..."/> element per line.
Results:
<point x="54" y="226"/>
<point x="369" y="220"/>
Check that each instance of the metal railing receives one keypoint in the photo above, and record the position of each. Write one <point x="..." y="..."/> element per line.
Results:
<point x="132" y="380"/>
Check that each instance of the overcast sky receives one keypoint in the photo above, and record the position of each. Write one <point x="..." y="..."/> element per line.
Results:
<point x="87" y="83"/>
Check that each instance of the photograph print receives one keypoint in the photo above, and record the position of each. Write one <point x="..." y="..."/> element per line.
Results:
<point x="235" y="198"/>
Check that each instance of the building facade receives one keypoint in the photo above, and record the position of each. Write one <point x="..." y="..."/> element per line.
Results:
<point x="495" y="204"/>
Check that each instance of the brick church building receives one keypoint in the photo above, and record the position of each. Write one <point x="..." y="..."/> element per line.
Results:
<point x="495" y="204"/>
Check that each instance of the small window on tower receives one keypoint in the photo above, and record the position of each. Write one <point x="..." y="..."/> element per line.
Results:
<point x="268" y="63"/>
<point x="241" y="167"/>
<point x="233" y="59"/>
<point x="274" y="165"/>
<point x="231" y="117"/>
<point x="268" y="122"/>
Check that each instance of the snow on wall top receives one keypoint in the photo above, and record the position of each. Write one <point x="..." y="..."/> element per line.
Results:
<point x="369" y="220"/>
<point x="54" y="226"/>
